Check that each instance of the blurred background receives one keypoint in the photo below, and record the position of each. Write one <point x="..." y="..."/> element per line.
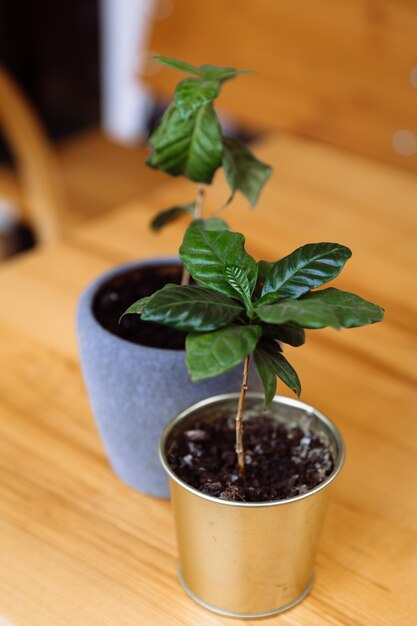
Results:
<point x="79" y="95"/>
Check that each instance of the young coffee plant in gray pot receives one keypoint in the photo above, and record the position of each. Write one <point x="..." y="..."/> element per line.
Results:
<point x="127" y="404"/>
<point x="250" y="493"/>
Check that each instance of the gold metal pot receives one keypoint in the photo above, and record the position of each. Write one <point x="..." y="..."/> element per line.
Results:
<point x="249" y="559"/>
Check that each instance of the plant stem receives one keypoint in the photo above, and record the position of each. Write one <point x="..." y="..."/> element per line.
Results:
<point x="239" y="420"/>
<point x="201" y="194"/>
<point x="185" y="278"/>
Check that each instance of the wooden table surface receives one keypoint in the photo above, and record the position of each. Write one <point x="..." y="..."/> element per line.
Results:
<point x="78" y="547"/>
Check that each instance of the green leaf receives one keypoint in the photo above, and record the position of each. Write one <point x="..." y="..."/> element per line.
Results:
<point x="189" y="147"/>
<point x="171" y="214"/>
<point x="208" y="72"/>
<point x="271" y="363"/>
<point x="307" y="267"/>
<point x="237" y="278"/>
<point x="212" y="72"/>
<point x="176" y="64"/>
<point x="163" y="126"/>
<point x="328" y="307"/>
<point x="137" y="307"/>
<point x="289" y="333"/>
<point x="350" y="310"/>
<point x="264" y="267"/>
<point x="192" y="93"/>
<point x="191" y="308"/>
<point x="308" y="314"/>
<point x="263" y="270"/>
<point x="287" y="374"/>
<point x="243" y="171"/>
<point x="266" y="371"/>
<point x="212" y="223"/>
<point x="205" y="254"/>
<point x="211" y="354"/>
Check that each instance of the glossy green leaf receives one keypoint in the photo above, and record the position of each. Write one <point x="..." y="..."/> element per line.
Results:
<point x="208" y="72"/>
<point x="270" y="363"/>
<point x="189" y="147"/>
<point x="176" y="64"/>
<point x="212" y="72"/>
<point x="307" y="267"/>
<point x="192" y="93"/>
<point x="205" y="254"/>
<point x="191" y="308"/>
<point x="212" y="223"/>
<point x="243" y="171"/>
<point x="137" y="307"/>
<point x="327" y="307"/>
<point x="263" y="270"/>
<point x="237" y="278"/>
<point x="167" y="120"/>
<point x="266" y="370"/>
<point x="350" y="310"/>
<point x="287" y="374"/>
<point x="302" y="312"/>
<point x="211" y="354"/>
<point x="169" y="215"/>
<point x="289" y="333"/>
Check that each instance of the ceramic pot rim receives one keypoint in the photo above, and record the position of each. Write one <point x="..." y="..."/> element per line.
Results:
<point x="311" y="411"/>
<point x="85" y="303"/>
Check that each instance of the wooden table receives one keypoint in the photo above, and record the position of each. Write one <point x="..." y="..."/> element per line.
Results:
<point x="78" y="547"/>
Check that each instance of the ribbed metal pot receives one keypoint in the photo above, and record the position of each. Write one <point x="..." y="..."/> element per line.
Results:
<point x="241" y="559"/>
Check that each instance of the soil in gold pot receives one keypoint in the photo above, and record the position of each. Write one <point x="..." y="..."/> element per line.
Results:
<point x="282" y="461"/>
<point x="250" y="558"/>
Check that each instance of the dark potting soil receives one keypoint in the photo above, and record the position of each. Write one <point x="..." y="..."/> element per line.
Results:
<point x="281" y="462"/>
<point x="120" y="292"/>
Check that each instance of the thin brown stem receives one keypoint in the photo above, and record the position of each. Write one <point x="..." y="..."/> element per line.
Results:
<point x="239" y="420"/>
<point x="201" y="194"/>
<point x="185" y="278"/>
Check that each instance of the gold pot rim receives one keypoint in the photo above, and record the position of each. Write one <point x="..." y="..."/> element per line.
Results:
<point x="278" y="399"/>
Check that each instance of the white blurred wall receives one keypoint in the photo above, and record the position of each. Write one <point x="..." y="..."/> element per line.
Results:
<point x="125" y="28"/>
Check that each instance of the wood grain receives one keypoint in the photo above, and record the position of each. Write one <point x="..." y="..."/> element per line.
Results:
<point x="79" y="547"/>
<point x="335" y="71"/>
<point x="100" y="174"/>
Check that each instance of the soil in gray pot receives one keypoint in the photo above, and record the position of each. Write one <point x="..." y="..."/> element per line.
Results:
<point x="115" y="296"/>
<point x="281" y="461"/>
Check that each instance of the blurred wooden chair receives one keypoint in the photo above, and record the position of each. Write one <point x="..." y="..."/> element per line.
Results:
<point x="55" y="188"/>
<point x="37" y="189"/>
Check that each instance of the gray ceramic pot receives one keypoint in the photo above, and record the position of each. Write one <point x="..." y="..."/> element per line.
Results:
<point x="136" y="390"/>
